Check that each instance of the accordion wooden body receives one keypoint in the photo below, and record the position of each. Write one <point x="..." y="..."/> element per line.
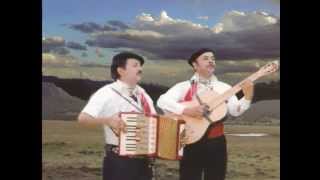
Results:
<point x="155" y="136"/>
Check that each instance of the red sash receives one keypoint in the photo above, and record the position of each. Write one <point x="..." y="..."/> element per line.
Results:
<point x="218" y="128"/>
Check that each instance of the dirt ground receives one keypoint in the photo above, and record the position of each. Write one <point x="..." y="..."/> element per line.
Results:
<point x="74" y="152"/>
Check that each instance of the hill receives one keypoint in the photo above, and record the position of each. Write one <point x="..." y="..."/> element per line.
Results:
<point x="57" y="104"/>
<point x="64" y="98"/>
<point x="83" y="88"/>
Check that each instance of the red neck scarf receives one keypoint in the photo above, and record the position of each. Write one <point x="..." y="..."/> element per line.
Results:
<point x="192" y="91"/>
<point x="145" y="105"/>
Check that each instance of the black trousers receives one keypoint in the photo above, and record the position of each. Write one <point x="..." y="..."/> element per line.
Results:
<point x="124" y="168"/>
<point x="207" y="157"/>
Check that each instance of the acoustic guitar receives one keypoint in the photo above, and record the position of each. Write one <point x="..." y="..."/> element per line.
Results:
<point x="216" y="105"/>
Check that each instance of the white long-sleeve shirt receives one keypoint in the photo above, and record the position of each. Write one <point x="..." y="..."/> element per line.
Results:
<point x="170" y="100"/>
<point x="105" y="103"/>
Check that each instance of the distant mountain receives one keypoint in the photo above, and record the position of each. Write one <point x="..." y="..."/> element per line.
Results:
<point x="59" y="105"/>
<point x="84" y="88"/>
<point x="267" y="91"/>
<point x="94" y="65"/>
<point x="64" y="98"/>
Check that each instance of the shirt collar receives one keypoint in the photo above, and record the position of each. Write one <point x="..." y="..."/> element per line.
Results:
<point x="196" y="78"/>
<point x="124" y="88"/>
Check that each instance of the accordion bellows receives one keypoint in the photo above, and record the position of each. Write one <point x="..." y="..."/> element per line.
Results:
<point x="156" y="136"/>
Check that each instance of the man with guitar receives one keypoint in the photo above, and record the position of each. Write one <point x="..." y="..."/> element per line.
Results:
<point x="209" y="154"/>
<point x="103" y="108"/>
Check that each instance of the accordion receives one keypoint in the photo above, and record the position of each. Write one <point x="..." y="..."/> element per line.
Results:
<point x="154" y="136"/>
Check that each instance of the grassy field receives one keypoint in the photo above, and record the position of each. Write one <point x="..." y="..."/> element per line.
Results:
<point x="72" y="151"/>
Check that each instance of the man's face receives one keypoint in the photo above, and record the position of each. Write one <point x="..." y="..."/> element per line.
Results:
<point x="132" y="72"/>
<point x="205" y="64"/>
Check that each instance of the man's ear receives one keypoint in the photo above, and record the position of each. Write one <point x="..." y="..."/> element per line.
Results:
<point x="194" y="64"/>
<point x="120" y="71"/>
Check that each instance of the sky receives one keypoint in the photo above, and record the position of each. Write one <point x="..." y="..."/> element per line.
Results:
<point x="161" y="29"/>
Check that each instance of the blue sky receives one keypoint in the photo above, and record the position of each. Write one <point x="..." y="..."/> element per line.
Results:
<point x="58" y="12"/>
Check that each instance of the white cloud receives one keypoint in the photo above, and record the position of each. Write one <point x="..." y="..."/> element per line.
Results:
<point x="48" y="57"/>
<point x="52" y="43"/>
<point x="166" y="25"/>
<point x="237" y="35"/>
<point x="271" y="20"/>
<point x="164" y="18"/>
<point x="217" y="28"/>
<point x="238" y="21"/>
<point x="236" y="13"/>
<point x="52" y="59"/>
<point x="264" y="13"/>
<point x="129" y="32"/>
<point x="145" y="17"/>
<point x="53" y="40"/>
<point x="203" y="17"/>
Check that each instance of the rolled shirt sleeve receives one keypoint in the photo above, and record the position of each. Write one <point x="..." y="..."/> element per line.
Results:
<point x="237" y="107"/>
<point x="170" y="100"/>
<point x="96" y="103"/>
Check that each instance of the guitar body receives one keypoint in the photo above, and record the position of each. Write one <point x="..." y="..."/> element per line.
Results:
<point x="196" y="127"/>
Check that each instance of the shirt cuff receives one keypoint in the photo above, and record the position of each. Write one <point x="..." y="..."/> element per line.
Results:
<point x="179" y="109"/>
<point x="245" y="104"/>
<point x="90" y="112"/>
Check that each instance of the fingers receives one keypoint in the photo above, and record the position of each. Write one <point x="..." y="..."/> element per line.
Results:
<point x="199" y="110"/>
<point x="141" y="134"/>
<point x="122" y="126"/>
<point x="247" y="84"/>
<point x="248" y="89"/>
<point x="202" y="109"/>
<point x="196" y="111"/>
<point x="183" y="141"/>
<point x="119" y="126"/>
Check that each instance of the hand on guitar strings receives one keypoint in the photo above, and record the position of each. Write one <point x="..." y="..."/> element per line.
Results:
<point x="196" y="111"/>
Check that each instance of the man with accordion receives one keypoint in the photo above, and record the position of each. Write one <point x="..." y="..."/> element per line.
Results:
<point x="104" y="108"/>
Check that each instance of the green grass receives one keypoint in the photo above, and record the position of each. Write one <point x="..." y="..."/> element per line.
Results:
<point x="74" y="152"/>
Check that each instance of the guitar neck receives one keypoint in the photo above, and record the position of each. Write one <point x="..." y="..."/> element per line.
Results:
<point x="236" y="88"/>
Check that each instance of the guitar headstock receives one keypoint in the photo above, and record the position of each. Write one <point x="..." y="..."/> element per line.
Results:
<point x="269" y="68"/>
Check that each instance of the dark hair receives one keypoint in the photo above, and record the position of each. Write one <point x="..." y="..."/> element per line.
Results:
<point x="198" y="53"/>
<point x="120" y="60"/>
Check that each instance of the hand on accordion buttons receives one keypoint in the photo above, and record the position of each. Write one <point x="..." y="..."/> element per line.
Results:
<point x="141" y="134"/>
<point x="117" y="124"/>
